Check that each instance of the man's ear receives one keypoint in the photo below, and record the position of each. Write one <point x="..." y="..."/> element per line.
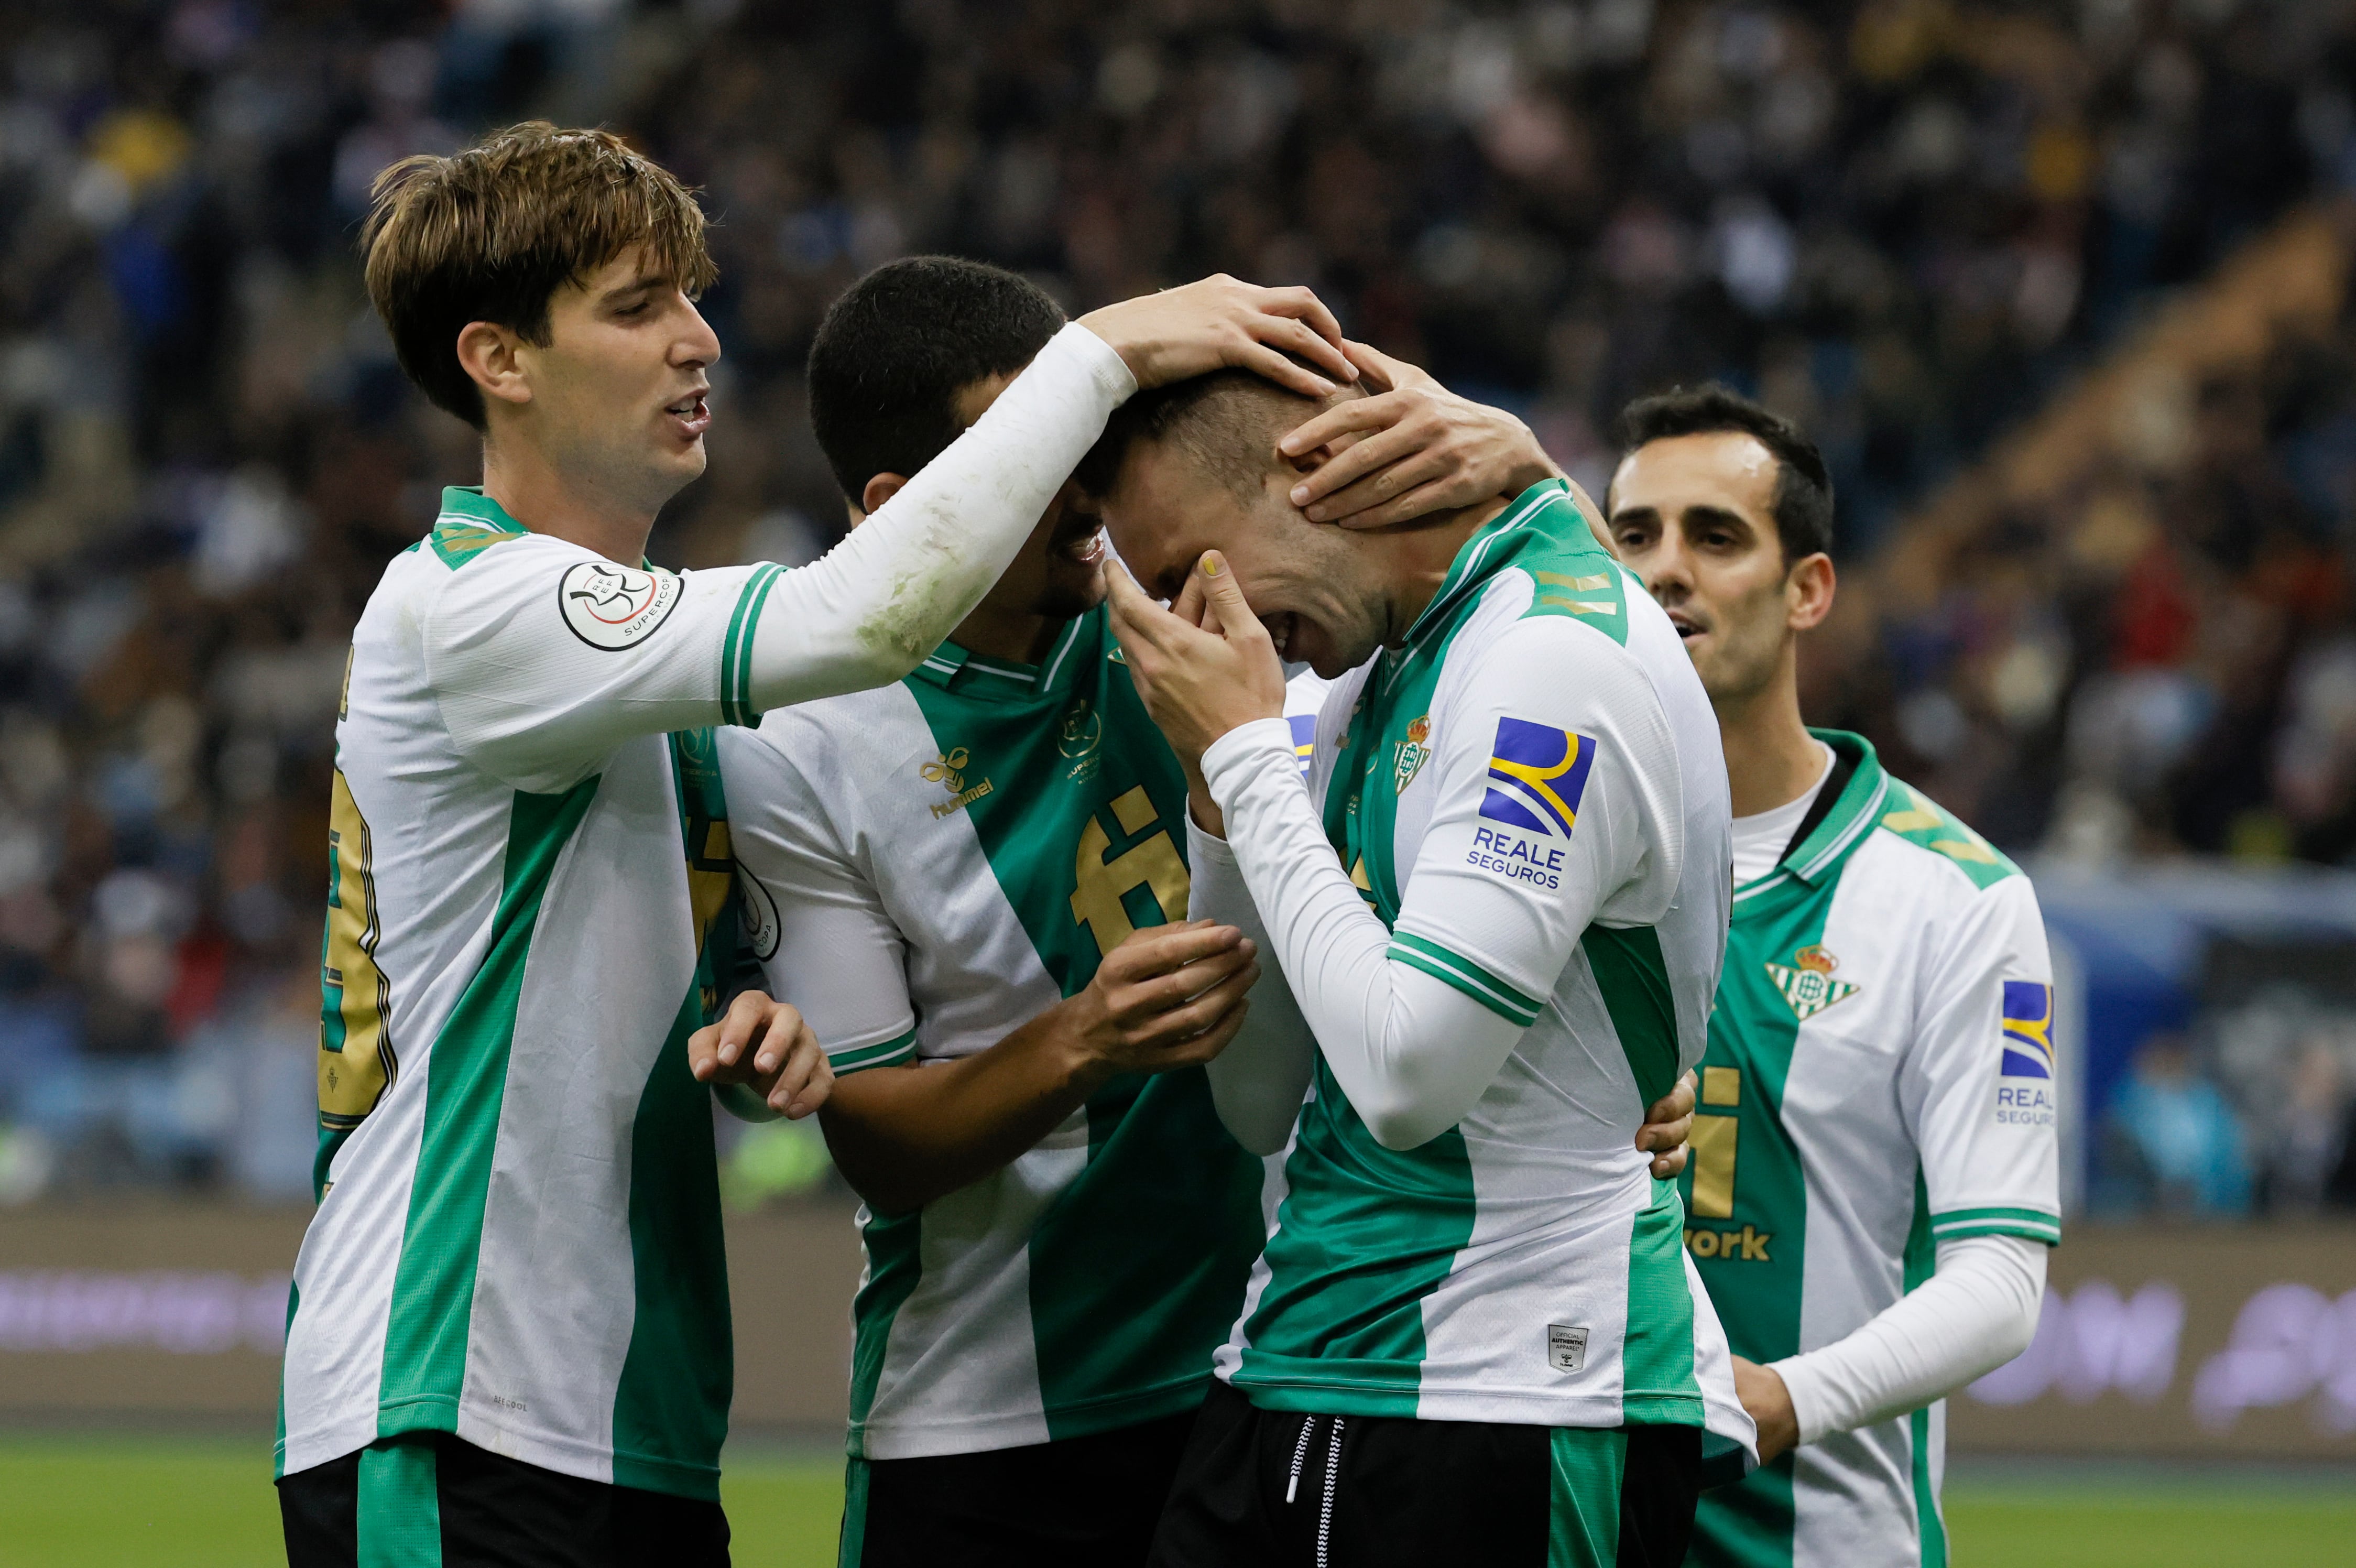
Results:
<point x="872" y="496"/>
<point x="1810" y="587"/>
<point x="491" y="355"/>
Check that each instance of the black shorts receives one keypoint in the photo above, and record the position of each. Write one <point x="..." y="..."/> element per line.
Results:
<point x="1080" y="1502"/>
<point x="1264" y="1488"/>
<point x="427" y="1501"/>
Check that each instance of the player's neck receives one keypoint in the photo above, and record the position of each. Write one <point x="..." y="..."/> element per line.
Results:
<point x="1019" y="636"/>
<point x="548" y="499"/>
<point x="1771" y="758"/>
<point x="1420" y="555"/>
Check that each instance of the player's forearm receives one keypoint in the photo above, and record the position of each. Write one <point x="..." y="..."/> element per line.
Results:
<point x="1257" y="1082"/>
<point x="1977" y="1312"/>
<point x="905" y="1136"/>
<point x="869" y="611"/>
<point x="1413" y="1054"/>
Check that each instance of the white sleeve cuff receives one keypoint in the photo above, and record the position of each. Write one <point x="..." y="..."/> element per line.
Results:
<point x="1241" y="752"/>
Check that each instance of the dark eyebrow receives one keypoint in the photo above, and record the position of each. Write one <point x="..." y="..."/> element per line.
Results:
<point x="636" y="285"/>
<point x="1717" y="514"/>
<point x="1632" y="514"/>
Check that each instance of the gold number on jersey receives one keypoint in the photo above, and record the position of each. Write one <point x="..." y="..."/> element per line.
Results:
<point x="1713" y="1139"/>
<point x="356" y="1058"/>
<point x="1101" y="884"/>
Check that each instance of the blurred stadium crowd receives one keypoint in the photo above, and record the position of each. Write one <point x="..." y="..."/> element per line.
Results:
<point x="1905" y="223"/>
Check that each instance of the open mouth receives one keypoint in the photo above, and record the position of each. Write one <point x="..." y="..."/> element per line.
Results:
<point x="1686" y="628"/>
<point x="1081" y="547"/>
<point x="693" y="414"/>
<point x="1281" y="627"/>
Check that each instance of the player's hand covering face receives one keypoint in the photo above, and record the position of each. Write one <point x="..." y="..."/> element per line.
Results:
<point x="1205" y="665"/>
<point x="766" y="1046"/>
<point x="1411" y="449"/>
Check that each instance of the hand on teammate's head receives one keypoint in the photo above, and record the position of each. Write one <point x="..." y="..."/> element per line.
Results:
<point x="1411" y="449"/>
<point x="1218" y="323"/>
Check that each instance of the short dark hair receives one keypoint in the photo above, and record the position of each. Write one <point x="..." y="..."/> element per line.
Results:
<point x="490" y="234"/>
<point x="894" y="352"/>
<point x="1225" y="421"/>
<point x="1804" y="488"/>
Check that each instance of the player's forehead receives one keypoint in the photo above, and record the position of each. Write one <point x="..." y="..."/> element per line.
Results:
<point x="1720" y="471"/>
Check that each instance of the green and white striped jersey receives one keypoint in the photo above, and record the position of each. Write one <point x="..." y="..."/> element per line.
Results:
<point x="1527" y="795"/>
<point x="519" y="1237"/>
<point x="1879" y="1080"/>
<point x="925" y="868"/>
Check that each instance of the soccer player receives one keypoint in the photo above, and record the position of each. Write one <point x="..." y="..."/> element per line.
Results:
<point x="973" y="886"/>
<point x="509" y="1338"/>
<point x="1497" y="909"/>
<point x="1874" y="1182"/>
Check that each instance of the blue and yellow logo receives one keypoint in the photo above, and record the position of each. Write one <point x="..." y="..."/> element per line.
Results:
<point x="1536" y="774"/>
<point x="2028" y="1029"/>
<point x="1304" y="738"/>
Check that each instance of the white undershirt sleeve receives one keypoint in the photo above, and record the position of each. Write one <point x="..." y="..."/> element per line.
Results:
<point x="1257" y="1082"/>
<point x="868" y="611"/>
<point x="1977" y="1312"/>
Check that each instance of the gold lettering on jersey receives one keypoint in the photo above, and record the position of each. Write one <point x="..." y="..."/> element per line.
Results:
<point x="1748" y="1245"/>
<point x="1100" y="884"/>
<point x="1713" y="1139"/>
<point x="1806" y="983"/>
<point x="947" y="770"/>
<point x="356" y="1058"/>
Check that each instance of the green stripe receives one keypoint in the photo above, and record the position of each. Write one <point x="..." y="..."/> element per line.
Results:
<point x="877" y="1055"/>
<point x="397" y="1512"/>
<point x="894" y="1264"/>
<point x="671" y="1399"/>
<point x="2041" y="1216"/>
<point x="1919" y="1262"/>
<point x="1584" y="1472"/>
<point x="1656" y="1358"/>
<point x="736" y="649"/>
<point x="1470" y="978"/>
<point x="2051" y="1235"/>
<point x="433" y="1284"/>
<point x="1634" y="979"/>
<point x="851" y="1545"/>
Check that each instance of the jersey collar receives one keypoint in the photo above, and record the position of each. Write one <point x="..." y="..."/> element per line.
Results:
<point x="467" y="504"/>
<point x="1816" y="857"/>
<point x="1545" y="511"/>
<point x="971" y="674"/>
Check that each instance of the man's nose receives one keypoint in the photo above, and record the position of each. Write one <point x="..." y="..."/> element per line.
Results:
<point x="698" y="344"/>
<point x="1668" y="571"/>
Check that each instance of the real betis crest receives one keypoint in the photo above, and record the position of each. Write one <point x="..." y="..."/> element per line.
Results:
<point x="1807" y="983"/>
<point x="1411" y="753"/>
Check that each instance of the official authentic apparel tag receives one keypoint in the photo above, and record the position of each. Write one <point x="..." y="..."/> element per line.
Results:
<point x="1566" y="1347"/>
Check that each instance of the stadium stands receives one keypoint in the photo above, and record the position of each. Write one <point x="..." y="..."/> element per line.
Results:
<point x="1912" y="224"/>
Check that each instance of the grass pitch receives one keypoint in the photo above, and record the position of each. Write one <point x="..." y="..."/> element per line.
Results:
<point x="85" y="1500"/>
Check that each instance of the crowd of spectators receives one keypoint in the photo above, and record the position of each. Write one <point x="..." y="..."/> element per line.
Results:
<point x="1903" y="222"/>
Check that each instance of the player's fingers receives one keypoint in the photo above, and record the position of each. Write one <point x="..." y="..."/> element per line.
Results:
<point x="1672" y="1164"/>
<point x="1269" y="365"/>
<point x="1396" y="374"/>
<point x="703" y="1053"/>
<point x="1303" y="305"/>
<point x="1134" y="610"/>
<point x="1204" y="1012"/>
<point x="804" y="1079"/>
<point x="1403" y="434"/>
<point x="1237" y="622"/>
<point x="784" y="1026"/>
<point x="1414" y="462"/>
<point x="1421" y="501"/>
<point x="1358" y="413"/>
<point x="1165" y="950"/>
<point x="1212" y="1040"/>
<point x="740" y="1026"/>
<point x="1149" y="998"/>
<point x="1189" y="604"/>
<point x="1373" y="365"/>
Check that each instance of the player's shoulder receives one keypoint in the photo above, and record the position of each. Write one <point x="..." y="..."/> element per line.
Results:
<point x="1960" y="861"/>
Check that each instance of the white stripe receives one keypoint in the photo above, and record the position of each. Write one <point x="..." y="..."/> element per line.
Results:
<point x="1047" y="676"/>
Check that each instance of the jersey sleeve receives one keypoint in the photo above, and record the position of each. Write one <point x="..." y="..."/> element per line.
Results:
<point x="1977" y="1089"/>
<point x="1557" y="806"/>
<point x="815" y="917"/>
<point x="544" y="656"/>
